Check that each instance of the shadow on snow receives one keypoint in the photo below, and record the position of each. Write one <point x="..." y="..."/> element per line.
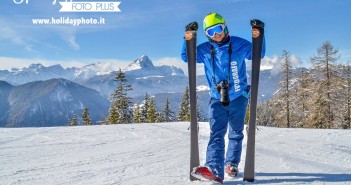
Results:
<point x="263" y="178"/>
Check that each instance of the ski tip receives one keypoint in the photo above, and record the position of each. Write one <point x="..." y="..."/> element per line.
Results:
<point x="257" y="23"/>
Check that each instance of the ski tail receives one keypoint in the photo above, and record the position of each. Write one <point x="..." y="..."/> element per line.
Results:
<point x="190" y="37"/>
<point x="204" y="173"/>
<point x="257" y="40"/>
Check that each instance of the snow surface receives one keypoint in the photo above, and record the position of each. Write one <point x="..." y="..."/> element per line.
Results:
<point x="202" y="88"/>
<point x="153" y="76"/>
<point x="159" y="154"/>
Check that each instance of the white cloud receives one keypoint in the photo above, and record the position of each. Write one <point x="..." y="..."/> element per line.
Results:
<point x="20" y="31"/>
<point x="295" y="60"/>
<point x="24" y="34"/>
<point x="71" y="39"/>
<point x="7" y="63"/>
<point x="274" y="63"/>
<point x="177" y="62"/>
<point x="11" y="34"/>
<point x="108" y="65"/>
<point x="268" y="62"/>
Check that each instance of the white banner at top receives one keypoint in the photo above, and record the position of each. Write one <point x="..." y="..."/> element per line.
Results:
<point x="90" y="7"/>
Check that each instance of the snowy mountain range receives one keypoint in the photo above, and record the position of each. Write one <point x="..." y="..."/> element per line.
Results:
<point x="144" y="77"/>
<point x="27" y="93"/>
<point x="48" y="103"/>
<point x="142" y="74"/>
<point x="35" y="72"/>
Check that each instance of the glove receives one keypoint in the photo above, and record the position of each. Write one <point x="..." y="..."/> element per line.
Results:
<point x="193" y="26"/>
<point x="257" y="23"/>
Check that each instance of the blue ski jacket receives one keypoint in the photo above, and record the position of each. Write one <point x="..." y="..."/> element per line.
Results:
<point x="224" y="68"/>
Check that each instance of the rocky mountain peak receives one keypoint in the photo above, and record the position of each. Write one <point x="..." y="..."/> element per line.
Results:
<point x="141" y="63"/>
<point x="35" y="66"/>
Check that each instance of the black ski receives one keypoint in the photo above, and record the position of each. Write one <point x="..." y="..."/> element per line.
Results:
<point x="190" y="37"/>
<point x="257" y="40"/>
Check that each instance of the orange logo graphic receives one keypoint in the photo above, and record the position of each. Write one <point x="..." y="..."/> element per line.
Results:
<point x="255" y="32"/>
<point x="188" y="35"/>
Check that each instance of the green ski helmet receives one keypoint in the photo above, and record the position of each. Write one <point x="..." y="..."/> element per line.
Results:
<point x="213" y="19"/>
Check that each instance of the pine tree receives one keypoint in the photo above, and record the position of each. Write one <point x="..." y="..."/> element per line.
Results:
<point x="151" y="112"/>
<point x="348" y="79"/>
<point x="145" y="108"/>
<point x="324" y="64"/>
<point x="159" y="117"/>
<point x="338" y="94"/>
<point x="319" y="119"/>
<point x="302" y="98"/>
<point x="197" y="109"/>
<point x="184" y="109"/>
<point x="266" y="114"/>
<point x="346" y="100"/>
<point x="137" y="114"/>
<point x="113" y="114"/>
<point x="318" y="98"/>
<point x="287" y="72"/>
<point x="284" y="92"/>
<point x="74" y="120"/>
<point x="168" y="114"/>
<point x="86" y="117"/>
<point x="121" y="105"/>
<point x="247" y="114"/>
<point x="69" y="122"/>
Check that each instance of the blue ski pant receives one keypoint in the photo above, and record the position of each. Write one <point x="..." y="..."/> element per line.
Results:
<point x="220" y="118"/>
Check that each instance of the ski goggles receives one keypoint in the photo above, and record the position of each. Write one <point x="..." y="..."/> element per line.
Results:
<point x="211" y="31"/>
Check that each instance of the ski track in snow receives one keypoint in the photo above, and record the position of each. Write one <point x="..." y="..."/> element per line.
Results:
<point x="158" y="154"/>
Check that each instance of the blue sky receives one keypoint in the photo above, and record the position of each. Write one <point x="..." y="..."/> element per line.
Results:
<point x="156" y="27"/>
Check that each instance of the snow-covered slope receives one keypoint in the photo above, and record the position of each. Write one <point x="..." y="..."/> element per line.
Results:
<point x="158" y="154"/>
